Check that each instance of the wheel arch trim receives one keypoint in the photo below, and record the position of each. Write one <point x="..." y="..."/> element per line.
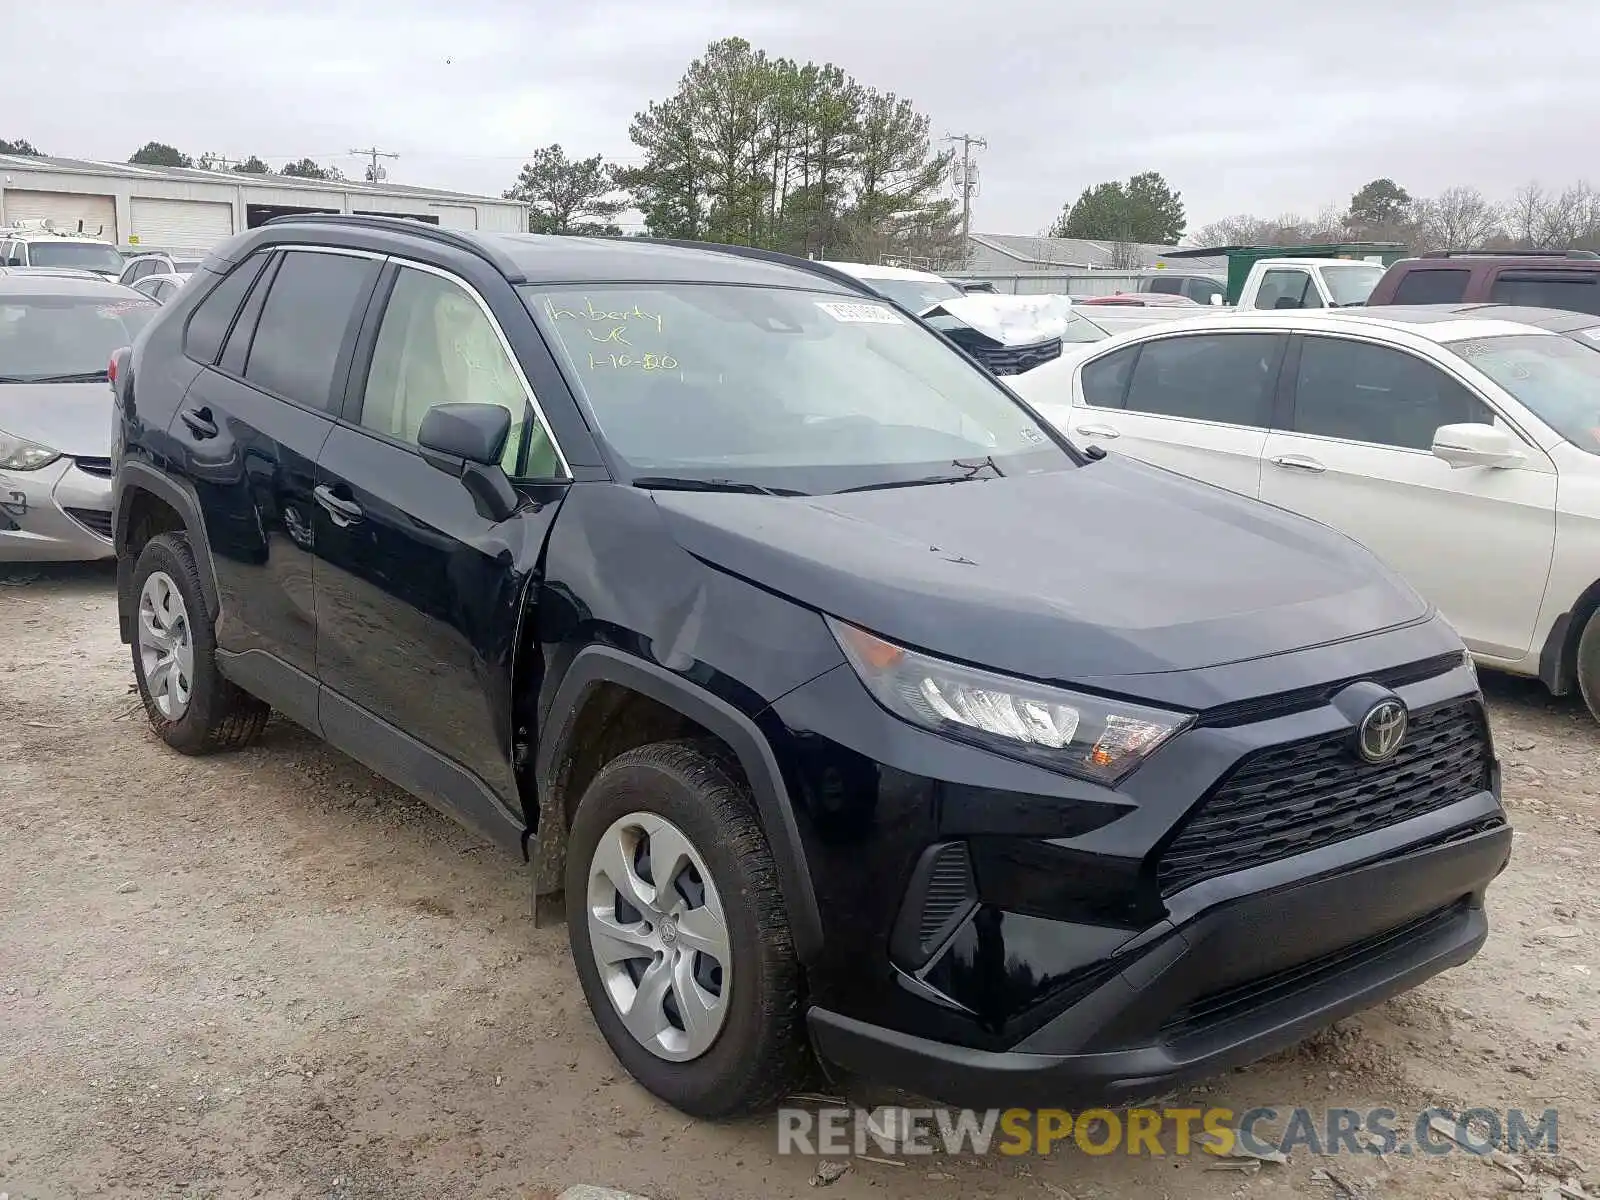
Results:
<point x="596" y="665"/>
<point x="133" y="477"/>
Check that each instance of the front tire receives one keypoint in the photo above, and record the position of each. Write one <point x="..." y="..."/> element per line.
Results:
<point x="1589" y="664"/>
<point x="190" y="705"/>
<point x="679" y="934"/>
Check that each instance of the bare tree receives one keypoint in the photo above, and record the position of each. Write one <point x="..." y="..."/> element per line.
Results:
<point x="1458" y="218"/>
<point x="1525" y="214"/>
<point x="1127" y="256"/>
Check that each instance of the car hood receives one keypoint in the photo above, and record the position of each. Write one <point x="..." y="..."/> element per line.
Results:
<point x="74" y="418"/>
<point x="1114" y="568"/>
<point x="1009" y="320"/>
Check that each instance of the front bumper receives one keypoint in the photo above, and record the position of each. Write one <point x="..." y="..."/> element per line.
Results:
<point x="1185" y="1002"/>
<point x="61" y="513"/>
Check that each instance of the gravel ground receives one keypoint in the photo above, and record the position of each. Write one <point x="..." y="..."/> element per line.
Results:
<point x="272" y="974"/>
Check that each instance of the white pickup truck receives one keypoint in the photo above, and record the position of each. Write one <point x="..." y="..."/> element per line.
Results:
<point x="1309" y="283"/>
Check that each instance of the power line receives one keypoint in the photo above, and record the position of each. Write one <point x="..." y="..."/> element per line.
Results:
<point x="967" y="183"/>
<point x="376" y="172"/>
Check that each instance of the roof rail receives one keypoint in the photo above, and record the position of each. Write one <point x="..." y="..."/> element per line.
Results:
<point x="771" y="256"/>
<point x="1585" y="254"/>
<point x="434" y="233"/>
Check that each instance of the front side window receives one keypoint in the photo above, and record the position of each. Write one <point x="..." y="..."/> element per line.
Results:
<point x="66" y="339"/>
<point x="1367" y="393"/>
<point x="1224" y="377"/>
<point x="436" y="346"/>
<point x="84" y="256"/>
<point x="1287" y="289"/>
<point x="1556" y="378"/>
<point x="787" y="388"/>
<point x="311" y="310"/>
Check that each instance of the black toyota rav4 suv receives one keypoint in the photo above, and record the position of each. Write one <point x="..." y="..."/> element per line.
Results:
<point x="853" y="714"/>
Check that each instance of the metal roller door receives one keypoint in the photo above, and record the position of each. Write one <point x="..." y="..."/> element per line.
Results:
<point x="65" y="209"/>
<point x="456" y="216"/>
<point x="181" y="224"/>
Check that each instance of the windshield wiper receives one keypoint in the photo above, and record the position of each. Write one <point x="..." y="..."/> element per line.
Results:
<point x="971" y="469"/>
<point x="676" y="483"/>
<point x="79" y="377"/>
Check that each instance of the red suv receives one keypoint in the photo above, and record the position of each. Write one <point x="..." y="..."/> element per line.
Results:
<point x="1568" y="279"/>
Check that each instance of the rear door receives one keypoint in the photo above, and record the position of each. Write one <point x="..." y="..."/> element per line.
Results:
<point x="1355" y="453"/>
<point x="276" y="338"/>
<point x="1198" y="403"/>
<point x="418" y="593"/>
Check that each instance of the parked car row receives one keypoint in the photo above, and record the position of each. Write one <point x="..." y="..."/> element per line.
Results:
<point x="1461" y="444"/>
<point x="857" y="712"/>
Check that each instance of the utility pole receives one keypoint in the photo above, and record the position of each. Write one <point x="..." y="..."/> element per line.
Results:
<point x="375" y="172"/>
<point x="968" y="183"/>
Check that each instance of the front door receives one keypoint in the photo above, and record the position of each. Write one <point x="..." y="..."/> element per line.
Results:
<point x="1356" y="454"/>
<point x="1198" y="404"/>
<point x="419" y="594"/>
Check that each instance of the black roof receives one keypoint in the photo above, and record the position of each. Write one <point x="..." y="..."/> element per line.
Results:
<point x="1556" y="320"/>
<point x="542" y="259"/>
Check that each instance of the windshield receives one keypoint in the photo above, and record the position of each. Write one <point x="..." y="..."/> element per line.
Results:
<point x="918" y="295"/>
<point x="1352" y="284"/>
<point x="64" y="337"/>
<point x="795" y="390"/>
<point x="1080" y="328"/>
<point x="1556" y="378"/>
<point x="86" y="256"/>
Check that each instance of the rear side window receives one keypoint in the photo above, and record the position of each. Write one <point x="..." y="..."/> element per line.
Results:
<point x="1105" y="380"/>
<point x="209" y="324"/>
<point x="1576" y="291"/>
<point x="1226" y="377"/>
<point x="1166" y="286"/>
<point x="1431" y="287"/>
<point x="1367" y="393"/>
<point x="309" y="317"/>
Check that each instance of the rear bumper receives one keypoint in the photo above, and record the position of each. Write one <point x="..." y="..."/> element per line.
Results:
<point x="54" y="515"/>
<point x="1372" y="931"/>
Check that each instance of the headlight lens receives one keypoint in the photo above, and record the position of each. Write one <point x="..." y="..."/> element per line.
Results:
<point x="1084" y="735"/>
<point x="19" y="455"/>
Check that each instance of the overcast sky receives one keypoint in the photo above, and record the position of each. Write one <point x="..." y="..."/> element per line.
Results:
<point x="1259" y="106"/>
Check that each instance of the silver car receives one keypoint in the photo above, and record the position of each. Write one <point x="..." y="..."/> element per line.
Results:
<point x="57" y="335"/>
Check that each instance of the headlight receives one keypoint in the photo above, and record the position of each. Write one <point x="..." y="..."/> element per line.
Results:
<point x="19" y="455"/>
<point x="1083" y="735"/>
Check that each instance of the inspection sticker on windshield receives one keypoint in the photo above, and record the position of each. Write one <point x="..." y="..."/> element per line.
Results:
<point x="859" y="314"/>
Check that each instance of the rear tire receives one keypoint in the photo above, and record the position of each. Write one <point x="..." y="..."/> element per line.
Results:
<point x="190" y="705"/>
<point x="756" y="1052"/>
<point x="1589" y="664"/>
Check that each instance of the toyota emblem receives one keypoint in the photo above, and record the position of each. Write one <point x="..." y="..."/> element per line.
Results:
<point x="1382" y="730"/>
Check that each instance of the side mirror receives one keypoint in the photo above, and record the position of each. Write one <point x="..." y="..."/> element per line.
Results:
<point x="467" y="440"/>
<point x="1475" y="445"/>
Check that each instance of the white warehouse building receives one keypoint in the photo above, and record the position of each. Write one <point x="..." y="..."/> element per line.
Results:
<point x="177" y="208"/>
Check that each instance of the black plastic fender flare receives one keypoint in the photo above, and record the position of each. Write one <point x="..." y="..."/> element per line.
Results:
<point x="595" y="665"/>
<point x="134" y="476"/>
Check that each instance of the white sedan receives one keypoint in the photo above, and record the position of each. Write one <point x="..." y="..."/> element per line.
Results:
<point x="1459" y="443"/>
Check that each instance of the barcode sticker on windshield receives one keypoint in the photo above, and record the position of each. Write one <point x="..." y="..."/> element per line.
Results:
<point x="859" y="314"/>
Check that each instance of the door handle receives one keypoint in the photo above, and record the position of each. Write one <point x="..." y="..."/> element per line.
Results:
<point x="1298" y="462"/>
<point x="199" y="422"/>
<point x="1099" y="431"/>
<point x="341" y="511"/>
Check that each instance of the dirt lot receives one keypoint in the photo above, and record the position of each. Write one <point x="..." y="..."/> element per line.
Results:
<point x="271" y="974"/>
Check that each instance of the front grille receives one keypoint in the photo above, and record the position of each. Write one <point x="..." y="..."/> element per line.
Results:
<point x="92" y="519"/>
<point x="1305" y="795"/>
<point x="95" y="466"/>
<point x="1014" y="360"/>
<point x="1210" y="1011"/>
